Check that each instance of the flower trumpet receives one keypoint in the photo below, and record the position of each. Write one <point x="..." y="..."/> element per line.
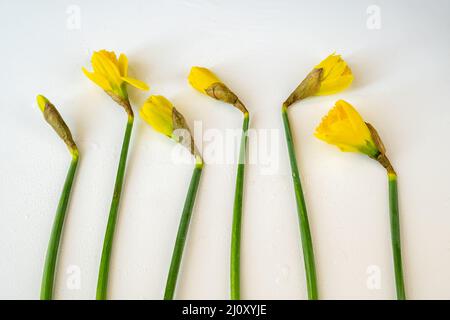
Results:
<point x="208" y="83"/>
<point x="330" y="76"/>
<point x="346" y="129"/>
<point x="53" y="117"/>
<point x="111" y="74"/>
<point x="160" y="114"/>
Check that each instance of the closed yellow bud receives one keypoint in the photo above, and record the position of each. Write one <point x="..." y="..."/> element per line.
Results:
<point x="336" y="75"/>
<point x="159" y="113"/>
<point x="52" y="116"/>
<point x="42" y="102"/>
<point x="202" y="78"/>
<point x="345" y="128"/>
<point x="111" y="74"/>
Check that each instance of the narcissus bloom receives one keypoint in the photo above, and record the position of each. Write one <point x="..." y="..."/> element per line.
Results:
<point x="111" y="74"/>
<point x="202" y="78"/>
<point x="157" y="112"/>
<point x="346" y="129"/>
<point x="330" y="76"/>
<point x="160" y="113"/>
<point x="336" y="75"/>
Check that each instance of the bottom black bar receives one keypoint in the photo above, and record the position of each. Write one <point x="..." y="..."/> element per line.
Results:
<point x="223" y="309"/>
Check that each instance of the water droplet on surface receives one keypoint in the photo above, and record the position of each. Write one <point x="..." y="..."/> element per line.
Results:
<point x="283" y="274"/>
<point x="94" y="146"/>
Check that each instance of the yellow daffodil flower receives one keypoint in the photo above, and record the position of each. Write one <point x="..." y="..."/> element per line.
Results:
<point x="346" y="129"/>
<point x="202" y="78"/>
<point x="111" y="74"/>
<point x="160" y="114"/>
<point x="330" y="76"/>
<point x="157" y="112"/>
<point x="336" y="75"/>
<point x="206" y="82"/>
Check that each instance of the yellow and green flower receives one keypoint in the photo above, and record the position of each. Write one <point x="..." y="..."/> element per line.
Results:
<point x="111" y="74"/>
<point x="162" y="116"/>
<point x="345" y="128"/>
<point x="206" y="82"/>
<point x="330" y="76"/>
<point x="54" y="119"/>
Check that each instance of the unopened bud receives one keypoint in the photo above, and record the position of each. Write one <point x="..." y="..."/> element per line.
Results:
<point x="52" y="116"/>
<point x="308" y="87"/>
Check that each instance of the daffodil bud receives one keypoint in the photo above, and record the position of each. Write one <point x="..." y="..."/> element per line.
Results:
<point x="159" y="113"/>
<point x="330" y="76"/>
<point x="206" y="82"/>
<point x="111" y="74"/>
<point x="202" y="78"/>
<point x="344" y="127"/>
<point x="52" y="116"/>
<point x="308" y="87"/>
<point x="336" y="75"/>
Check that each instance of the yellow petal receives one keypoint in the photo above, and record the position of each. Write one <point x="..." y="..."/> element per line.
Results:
<point x="110" y="55"/>
<point x="202" y="78"/>
<point x="42" y="101"/>
<point x="98" y="79"/>
<point x="97" y="65"/>
<point x="136" y="83"/>
<point x="110" y="73"/>
<point x="157" y="112"/>
<point x="334" y="86"/>
<point x="111" y="64"/>
<point x="336" y="75"/>
<point x="337" y="69"/>
<point x="123" y="65"/>
<point x="345" y="128"/>
<point x="104" y="66"/>
<point x="328" y="63"/>
<point x="346" y="148"/>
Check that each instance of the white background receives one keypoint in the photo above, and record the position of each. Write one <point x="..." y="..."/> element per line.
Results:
<point x="262" y="50"/>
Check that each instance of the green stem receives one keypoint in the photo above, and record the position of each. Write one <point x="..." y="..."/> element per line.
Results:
<point x="237" y="216"/>
<point x="48" y="276"/>
<point x="395" y="236"/>
<point x="308" y="252"/>
<point x="102" y="283"/>
<point x="182" y="231"/>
